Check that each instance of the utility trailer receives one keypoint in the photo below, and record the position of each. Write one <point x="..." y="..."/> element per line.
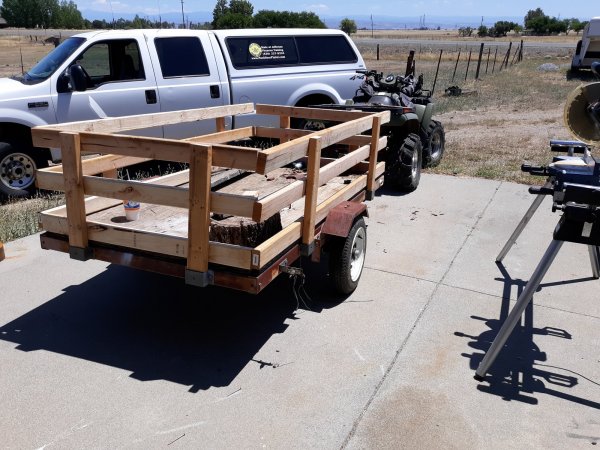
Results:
<point x="238" y="216"/>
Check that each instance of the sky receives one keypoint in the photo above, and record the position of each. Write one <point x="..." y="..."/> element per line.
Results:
<point x="583" y="9"/>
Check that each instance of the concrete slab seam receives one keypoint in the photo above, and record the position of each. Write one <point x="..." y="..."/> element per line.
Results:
<point x="416" y="322"/>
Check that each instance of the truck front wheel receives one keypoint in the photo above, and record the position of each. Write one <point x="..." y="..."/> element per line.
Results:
<point x="17" y="170"/>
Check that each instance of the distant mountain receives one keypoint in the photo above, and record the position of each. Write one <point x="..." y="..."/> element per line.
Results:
<point x="171" y="17"/>
<point x="362" y="21"/>
<point x="431" y="22"/>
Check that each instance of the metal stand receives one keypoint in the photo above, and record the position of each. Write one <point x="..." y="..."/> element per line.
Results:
<point x="512" y="240"/>
<point x="517" y="311"/>
<point x="593" y="250"/>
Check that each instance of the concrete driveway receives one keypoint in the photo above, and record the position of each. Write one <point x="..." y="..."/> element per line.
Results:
<point x="100" y="356"/>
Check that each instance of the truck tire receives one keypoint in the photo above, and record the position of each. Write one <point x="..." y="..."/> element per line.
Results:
<point x="403" y="163"/>
<point x="17" y="170"/>
<point x="434" y="142"/>
<point x="347" y="258"/>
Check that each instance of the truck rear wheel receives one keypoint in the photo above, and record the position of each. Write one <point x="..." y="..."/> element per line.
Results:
<point x="434" y="143"/>
<point x="403" y="163"/>
<point x="347" y="258"/>
<point x="17" y="170"/>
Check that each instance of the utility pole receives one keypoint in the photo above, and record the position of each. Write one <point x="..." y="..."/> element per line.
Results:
<point x="182" y="15"/>
<point x="372" y="26"/>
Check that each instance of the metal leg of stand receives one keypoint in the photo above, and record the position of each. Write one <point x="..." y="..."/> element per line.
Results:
<point x="516" y="313"/>
<point x="522" y="224"/>
<point x="595" y="260"/>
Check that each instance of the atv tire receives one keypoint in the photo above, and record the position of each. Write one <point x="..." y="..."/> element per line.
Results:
<point x="434" y="142"/>
<point x="403" y="163"/>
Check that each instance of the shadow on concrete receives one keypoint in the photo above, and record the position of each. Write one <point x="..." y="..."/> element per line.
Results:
<point x="517" y="373"/>
<point x="156" y="327"/>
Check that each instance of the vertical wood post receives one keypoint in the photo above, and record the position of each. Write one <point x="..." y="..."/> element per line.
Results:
<point x="377" y="52"/>
<point x="199" y="214"/>
<point x="495" y="55"/>
<point x="488" y="60"/>
<point x="284" y="122"/>
<point x="456" y="65"/>
<point x="312" y="191"/>
<point x="468" y="64"/>
<point x="375" y="132"/>
<point x="479" y="61"/>
<point x="70" y="144"/>
<point x="220" y="123"/>
<point x="409" y="63"/>
<point x="521" y="51"/>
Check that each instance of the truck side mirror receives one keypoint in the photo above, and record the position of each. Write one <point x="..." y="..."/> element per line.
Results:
<point x="77" y="78"/>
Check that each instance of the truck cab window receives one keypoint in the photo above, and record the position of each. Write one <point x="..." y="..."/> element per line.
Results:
<point x="181" y="57"/>
<point x="111" y="61"/>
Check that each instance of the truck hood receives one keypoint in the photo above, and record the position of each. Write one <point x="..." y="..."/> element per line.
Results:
<point x="11" y="89"/>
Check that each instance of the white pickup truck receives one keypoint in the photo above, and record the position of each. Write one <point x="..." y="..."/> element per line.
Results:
<point x="116" y="73"/>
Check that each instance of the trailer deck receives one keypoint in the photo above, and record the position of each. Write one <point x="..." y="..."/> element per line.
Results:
<point x="224" y="181"/>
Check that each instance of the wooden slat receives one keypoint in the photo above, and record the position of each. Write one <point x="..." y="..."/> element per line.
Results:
<point x="199" y="209"/>
<point x="311" y="113"/>
<point x="291" y="151"/>
<point x="164" y="244"/>
<point x="292" y="133"/>
<point x="348" y="161"/>
<point x="272" y="247"/>
<point x="100" y="164"/>
<point x="74" y="192"/>
<point x="222" y="137"/>
<point x="167" y="149"/>
<point x="47" y="136"/>
<point x="312" y="187"/>
<point x="373" y="153"/>
<point x="273" y="203"/>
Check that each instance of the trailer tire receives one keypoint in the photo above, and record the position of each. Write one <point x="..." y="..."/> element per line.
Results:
<point x="403" y="163"/>
<point x="17" y="169"/>
<point x="347" y="258"/>
<point x="434" y="143"/>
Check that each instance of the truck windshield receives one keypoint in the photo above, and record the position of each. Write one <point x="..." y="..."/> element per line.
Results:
<point x="52" y="61"/>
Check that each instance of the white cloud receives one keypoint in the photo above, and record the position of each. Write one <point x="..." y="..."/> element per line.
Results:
<point x="317" y="7"/>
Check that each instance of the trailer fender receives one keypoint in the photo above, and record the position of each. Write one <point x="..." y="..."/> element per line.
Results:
<point x="340" y="219"/>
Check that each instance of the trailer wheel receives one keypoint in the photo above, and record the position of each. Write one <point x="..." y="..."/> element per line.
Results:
<point x="347" y="258"/>
<point x="434" y="143"/>
<point x="403" y="163"/>
<point x="17" y="170"/>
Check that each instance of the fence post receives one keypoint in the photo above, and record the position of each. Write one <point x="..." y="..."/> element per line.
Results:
<point x="377" y="52"/>
<point x="456" y="65"/>
<point x="521" y="51"/>
<point x="495" y="55"/>
<point x="479" y="62"/>
<point x="468" y="64"/>
<point x="488" y="60"/>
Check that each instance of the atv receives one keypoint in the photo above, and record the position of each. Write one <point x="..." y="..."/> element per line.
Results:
<point x="415" y="140"/>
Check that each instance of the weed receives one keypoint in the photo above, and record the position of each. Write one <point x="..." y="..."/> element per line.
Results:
<point x="19" y="217"/>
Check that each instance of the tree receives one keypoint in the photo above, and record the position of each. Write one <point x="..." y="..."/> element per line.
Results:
<point x="238" y="14"/>
<point x="243" y="7"/>
<point x="465" y="31"/>
<point x="502" y="27"/>
<point x="533" y="14"/>
<point x="286" y="19"/>
<point x="70" y="16"/>
<point x="482" y="31"/>
<point x="348" y="26"/>
<point x="220" y="10"/>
